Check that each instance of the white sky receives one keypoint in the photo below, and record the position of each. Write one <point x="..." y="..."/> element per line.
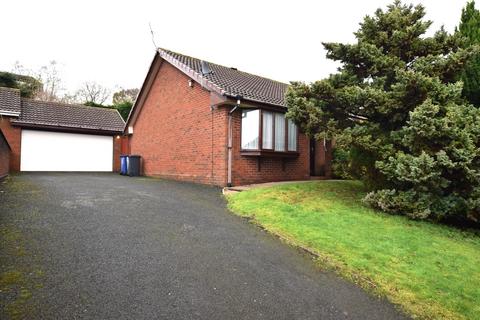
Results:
<point x="109" y="41"/>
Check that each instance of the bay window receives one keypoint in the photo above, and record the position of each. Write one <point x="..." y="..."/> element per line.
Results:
<point x="267" y="133"/>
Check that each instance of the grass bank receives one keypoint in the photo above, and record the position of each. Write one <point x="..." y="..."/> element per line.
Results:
<point x="431" y="271"/>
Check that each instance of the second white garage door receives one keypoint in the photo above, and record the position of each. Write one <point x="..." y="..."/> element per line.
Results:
<point x="58" y="151"/>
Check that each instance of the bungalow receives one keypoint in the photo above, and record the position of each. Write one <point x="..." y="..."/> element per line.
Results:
<point x="198" y="121"/>
<point x="50" y="136"/>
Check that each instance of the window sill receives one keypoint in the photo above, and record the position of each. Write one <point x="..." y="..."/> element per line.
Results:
<point x="269" y="153"/>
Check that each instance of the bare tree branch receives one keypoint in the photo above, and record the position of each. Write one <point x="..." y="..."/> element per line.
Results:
<point x="49" y="76"/>
<point x="92" y="92"/>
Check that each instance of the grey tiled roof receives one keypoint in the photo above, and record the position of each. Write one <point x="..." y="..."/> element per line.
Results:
<point x="232" y="82"/>
<point x="60" y="115"/>
<point x="10" y="101"/>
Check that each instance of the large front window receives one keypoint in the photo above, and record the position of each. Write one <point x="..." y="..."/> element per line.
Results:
<point x="279" y="132"/>
<point x="267" y="126"/>
<point x="268" y="131"/>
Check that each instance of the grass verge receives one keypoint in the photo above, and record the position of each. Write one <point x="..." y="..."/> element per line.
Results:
<point x="431" y="271"/>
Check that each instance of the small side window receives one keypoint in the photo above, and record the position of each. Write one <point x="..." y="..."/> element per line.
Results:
<point x="279" y="132"/>
<point x="292" y="136"/>
<point x="250" y="128"/>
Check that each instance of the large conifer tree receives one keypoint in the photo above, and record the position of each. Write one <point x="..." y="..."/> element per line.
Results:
<point x="469" y="28"/>
<point x="397" y="109"/>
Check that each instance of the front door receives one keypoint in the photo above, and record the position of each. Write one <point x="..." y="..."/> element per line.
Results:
<point x="312" y="157"/>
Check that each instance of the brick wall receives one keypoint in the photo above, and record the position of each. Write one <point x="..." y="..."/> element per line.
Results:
<point x="125" y="145"/>
<point x="14" y="137"/>
<point x="4" y="157"/>
<point x="246" y="170"/>
<point x="177" y="134"/>
<point x="117" y="151"/>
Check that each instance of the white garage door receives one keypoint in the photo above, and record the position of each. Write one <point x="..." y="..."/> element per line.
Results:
<point x="58" y="151"/>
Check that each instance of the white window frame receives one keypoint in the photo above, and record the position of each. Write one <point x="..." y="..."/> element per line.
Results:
<point x="248" y="132"/>
<point x="259" y="128"/>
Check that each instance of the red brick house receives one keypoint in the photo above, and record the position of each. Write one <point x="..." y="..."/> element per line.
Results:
<point x="50" y="136"/>
<point x="198" y="121"/>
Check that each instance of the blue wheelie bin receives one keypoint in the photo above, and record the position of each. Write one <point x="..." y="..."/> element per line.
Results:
<point x="123" y="164"/>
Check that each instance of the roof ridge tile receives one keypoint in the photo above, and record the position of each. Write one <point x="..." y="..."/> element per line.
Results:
<point x="64" y="104"/>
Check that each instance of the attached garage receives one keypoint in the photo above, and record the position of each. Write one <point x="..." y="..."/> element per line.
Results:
<point x="60" y="151"/>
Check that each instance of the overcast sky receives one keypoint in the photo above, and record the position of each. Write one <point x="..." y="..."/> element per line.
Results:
<point x="109" y="41"/>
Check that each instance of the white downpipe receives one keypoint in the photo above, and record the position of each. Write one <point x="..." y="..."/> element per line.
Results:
<point x="230" y="144"/>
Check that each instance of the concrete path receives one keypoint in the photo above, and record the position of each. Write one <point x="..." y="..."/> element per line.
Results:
<point x="235" y="189"/>
<point x="103" y="246"/>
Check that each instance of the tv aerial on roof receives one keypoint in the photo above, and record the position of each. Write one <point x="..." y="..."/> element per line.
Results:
<point x="153" y="36"/>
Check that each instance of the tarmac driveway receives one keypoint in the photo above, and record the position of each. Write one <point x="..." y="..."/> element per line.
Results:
<point x="103" y="246"/>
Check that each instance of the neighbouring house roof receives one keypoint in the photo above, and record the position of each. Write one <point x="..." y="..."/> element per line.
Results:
<point x="229" y="82"/>
<point x="10" y="104"/>
<point x="69" y="116"/>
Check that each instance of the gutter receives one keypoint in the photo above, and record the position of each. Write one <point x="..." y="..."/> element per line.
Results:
<point x="69" y="129"/>
<point x="230" y="143"/>
<point x="256" y="101"/>
<point x="9" y="113"/>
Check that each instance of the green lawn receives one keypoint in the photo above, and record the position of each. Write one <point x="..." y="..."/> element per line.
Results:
<point x="431" y="271"/>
